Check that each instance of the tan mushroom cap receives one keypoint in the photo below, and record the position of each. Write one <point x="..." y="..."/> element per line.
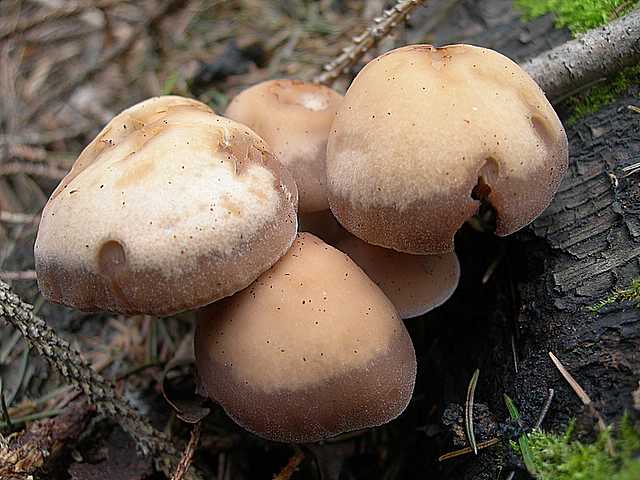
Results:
<point x="171" y="207"/>
<point x="421" y="127"/>
<point x="294" y="118"/>
<point x="312" y="349"/>
<point x="415" y="284"/>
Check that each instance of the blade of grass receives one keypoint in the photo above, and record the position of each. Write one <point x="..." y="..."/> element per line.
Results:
<point x="523" y="441"/>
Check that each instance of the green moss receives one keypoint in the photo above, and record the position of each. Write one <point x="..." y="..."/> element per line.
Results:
<point x="629" y="294"/>
<point x="577" y="15"/>
<point x="602" y="94"/>
<point x="557" y="457"/>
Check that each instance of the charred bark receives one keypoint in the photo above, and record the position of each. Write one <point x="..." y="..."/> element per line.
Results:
<point x="591" y="235"/>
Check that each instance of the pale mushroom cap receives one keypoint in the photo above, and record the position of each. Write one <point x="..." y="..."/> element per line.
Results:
<point x="415" y="284"/>
<point x="418" y="128"/>
<point x="294" y="118"/>
<point x="312" y="349"/>
<point x="183" y="209"/>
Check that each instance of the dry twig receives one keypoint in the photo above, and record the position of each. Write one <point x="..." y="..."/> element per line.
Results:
<point x="291" y="466"/>
<point x="368" y="39"/>
<point x="595" y="54"/>
<point x="584" y="398"/>
<point x="187" y="455"/>
<point x="67" y="360"/>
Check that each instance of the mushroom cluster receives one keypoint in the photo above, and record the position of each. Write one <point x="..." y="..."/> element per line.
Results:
<point x="301" y="338"/>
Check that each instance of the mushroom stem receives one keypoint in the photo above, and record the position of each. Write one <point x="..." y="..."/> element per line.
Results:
<point x="100" y="392"/>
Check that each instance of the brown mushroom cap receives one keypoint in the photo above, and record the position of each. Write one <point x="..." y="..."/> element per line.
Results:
<point x="171" y="207"/>
<point x="424" y="130"/>
<point x="312" y="349"/>
<point x="415" y="284"/>
<point x="294" y="118"/>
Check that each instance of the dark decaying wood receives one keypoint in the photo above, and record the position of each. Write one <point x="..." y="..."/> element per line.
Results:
<point x="591" y="236"/>
<point x="585" y="244"/>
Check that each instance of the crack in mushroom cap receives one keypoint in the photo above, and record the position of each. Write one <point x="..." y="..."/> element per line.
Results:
<point x="294" y="118"/>
<point x="312" y="349"/>
<point x="171" y="207"/>
<point x="425" y="133"/>
<point x="415" y="284"/>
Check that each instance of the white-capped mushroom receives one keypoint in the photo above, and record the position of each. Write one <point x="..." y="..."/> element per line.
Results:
<point x="171" y="207"/>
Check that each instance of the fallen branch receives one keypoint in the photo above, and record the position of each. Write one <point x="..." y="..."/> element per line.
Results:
<point x="596" y="54"/>
<point x="368" y="39"/>
<point x="76" y="370"/>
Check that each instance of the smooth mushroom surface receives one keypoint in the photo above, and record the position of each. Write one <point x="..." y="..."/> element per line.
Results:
<point x="171" y="207"/>
<point x="425" y="134"/>
<point x="294" y="118"/>
<point x="415" y="284"/>
<point x="312" y="349"/>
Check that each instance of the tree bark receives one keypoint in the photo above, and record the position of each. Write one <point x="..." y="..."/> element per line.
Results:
<point x="591" y="245"/>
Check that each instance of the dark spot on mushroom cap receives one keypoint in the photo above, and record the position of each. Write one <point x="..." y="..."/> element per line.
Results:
<point x="112" y="259"/>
